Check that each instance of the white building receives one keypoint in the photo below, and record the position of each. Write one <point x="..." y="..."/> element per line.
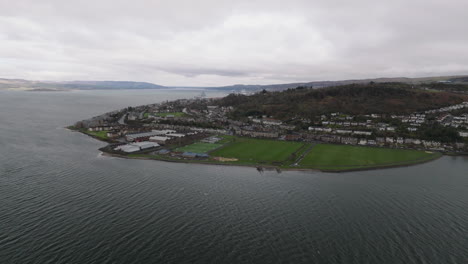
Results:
<point x="159" y="139"/>
<point x="134" y="147"/>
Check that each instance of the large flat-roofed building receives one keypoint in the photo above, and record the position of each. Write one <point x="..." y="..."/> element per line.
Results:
<point x="140" y="136"/>
<point x="176" y="135"/>
<point x="134" y="147"/>
<point x="128" y="148"/>
<point x="159" y="139"/>
<point x="146" y="145"/>
<point x="163" y="132"/>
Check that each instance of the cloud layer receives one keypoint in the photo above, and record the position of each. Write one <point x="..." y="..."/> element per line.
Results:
<point x="217" y="42"/>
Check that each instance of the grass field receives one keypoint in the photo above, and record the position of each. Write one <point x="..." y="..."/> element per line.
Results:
<point x="99" y="134"/>
<point x="199" y="147"/>
<point x="225" y="139"/>
<point x="249" y="150"/>
<point x="341" y="157"/>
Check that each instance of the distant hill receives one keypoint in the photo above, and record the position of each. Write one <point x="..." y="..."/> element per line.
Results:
<point x="83" y="85"/>
<point x="322" y="84"/>
<point x="119" y="85"/>
<point x="75" y="85"/>
<point x="379" y="98"/>
<point x="459" y="80"/>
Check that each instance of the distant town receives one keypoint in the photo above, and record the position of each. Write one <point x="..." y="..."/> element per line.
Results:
<point x="204" y="130"/>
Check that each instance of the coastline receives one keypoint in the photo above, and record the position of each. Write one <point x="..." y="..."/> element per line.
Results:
<point x="262" y="167"/>
<point x="270" y="167"/>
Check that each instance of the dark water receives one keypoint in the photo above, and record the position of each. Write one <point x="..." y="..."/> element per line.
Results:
<point x="60" y="202"/>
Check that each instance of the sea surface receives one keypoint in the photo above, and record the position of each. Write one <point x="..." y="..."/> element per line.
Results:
<point x="62" y="202"/>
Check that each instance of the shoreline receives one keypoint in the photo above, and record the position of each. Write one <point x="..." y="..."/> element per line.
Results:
<point x="269" y="167"/>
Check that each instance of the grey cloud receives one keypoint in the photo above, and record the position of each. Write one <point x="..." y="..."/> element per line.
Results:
<point x="219" y="42"/>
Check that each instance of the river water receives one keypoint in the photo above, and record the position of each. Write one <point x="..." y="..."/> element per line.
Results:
<point x="61" y="202"/>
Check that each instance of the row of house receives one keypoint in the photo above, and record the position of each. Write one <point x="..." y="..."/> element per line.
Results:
<point x="103" y="128"/>
<point x="340" y="131"/>
<point x="267" y="121"/>
<point x="387" y="141"/>
<point x="448" y="108"/>
<point x="257" y="134"/>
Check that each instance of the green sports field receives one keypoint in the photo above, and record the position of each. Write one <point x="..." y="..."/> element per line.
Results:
<point x="342" y="157"/>
<point x="249" y="150"/>
<point x="199" y="147"/>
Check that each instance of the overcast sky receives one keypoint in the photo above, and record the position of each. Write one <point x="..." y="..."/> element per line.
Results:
<point x="217" y="42"/>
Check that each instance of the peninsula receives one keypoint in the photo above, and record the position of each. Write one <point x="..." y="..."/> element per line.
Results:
<point x="356" y="126"/>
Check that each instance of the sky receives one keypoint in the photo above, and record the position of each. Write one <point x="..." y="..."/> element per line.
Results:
<point x="218" y="42"/>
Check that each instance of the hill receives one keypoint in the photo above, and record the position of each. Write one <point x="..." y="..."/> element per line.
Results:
<point x="75" y="85"/>
<point x="450" y="83"/>
<point x="463" y="79"/>
<point x="383" y="98"/>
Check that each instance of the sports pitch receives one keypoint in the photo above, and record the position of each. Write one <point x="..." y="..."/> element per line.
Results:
<point x="249" y="150"/>
<point x="199" y="147"/>
<point x="336" y="157"/>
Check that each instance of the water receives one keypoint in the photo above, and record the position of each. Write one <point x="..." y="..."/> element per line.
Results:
<point x="61" y="202"/>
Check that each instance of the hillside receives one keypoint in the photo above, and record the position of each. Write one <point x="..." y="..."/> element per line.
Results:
<point x="463" y="79"/>
<point x="385" y="98"/>
<point x="448" y="82"/>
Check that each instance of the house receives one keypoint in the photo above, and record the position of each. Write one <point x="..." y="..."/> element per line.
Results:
<point x="335" y="139"/>
<point x="380" y="140"/>
<point x="349" y="140"/>
<point x="320" y="129"/>
<point x="343" y="131"/>
<point x="363" y="133"/>
<point x="101" y="128"/>
<point x="260" y="134"/>
<point x="113" y="134"/>
<point x="270" y="121"/>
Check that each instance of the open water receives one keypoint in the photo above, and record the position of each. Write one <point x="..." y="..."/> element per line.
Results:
<point x="61" y="202"/>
